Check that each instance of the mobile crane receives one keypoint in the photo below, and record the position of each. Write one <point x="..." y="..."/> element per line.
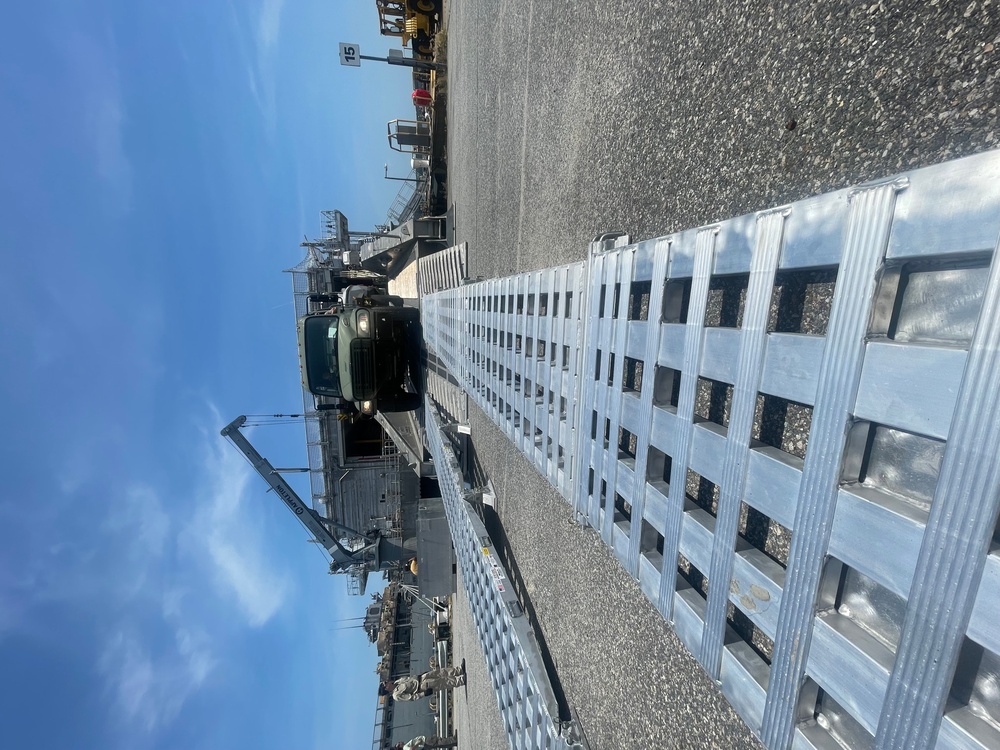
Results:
<point x="413" y="21"/>
<point x="376" y="551"/>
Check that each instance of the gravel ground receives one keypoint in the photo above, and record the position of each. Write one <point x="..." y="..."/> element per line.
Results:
<point x="567" y="120"/>
<point x="570" y="119"/>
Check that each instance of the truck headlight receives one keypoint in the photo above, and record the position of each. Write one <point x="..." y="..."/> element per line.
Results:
<point x="367" y="407"/>
<point x="363" y="323"/>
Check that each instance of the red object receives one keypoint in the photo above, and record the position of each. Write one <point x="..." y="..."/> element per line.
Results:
<point x="421" y="98"/>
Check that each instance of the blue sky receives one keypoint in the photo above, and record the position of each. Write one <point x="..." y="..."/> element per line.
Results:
<point x="159" y="163"/>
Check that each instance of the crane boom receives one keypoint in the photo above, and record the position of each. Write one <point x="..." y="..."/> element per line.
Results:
<point x="343" y="558"/>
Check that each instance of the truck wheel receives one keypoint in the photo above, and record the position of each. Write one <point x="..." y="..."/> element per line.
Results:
<point x="423" y="7"/>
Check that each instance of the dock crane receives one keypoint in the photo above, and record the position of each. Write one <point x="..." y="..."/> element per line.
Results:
<point x="376" y="552"/>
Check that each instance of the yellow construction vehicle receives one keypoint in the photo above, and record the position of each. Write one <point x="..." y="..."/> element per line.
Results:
<point x="413" y="21"/>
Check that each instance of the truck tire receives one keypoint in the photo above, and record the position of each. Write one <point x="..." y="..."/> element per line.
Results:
<point x="424" y="7"/>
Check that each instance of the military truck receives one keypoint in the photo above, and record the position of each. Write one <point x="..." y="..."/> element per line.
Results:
<point x="365" y="351"/>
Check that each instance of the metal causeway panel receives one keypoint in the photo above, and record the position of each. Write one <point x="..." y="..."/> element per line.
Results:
<point x="704" y="257"/>
<point x="960" y="528"/>
<point x="522" y="369"/>
<point x="444" y="269"/>
<point x="864" y="249"/>
<point x="587" y="435"/>
<point x="746" y="384"/>
<point x="660" y="250"/>
<point x="525" y="697"/>
<point x="843" y="581"/>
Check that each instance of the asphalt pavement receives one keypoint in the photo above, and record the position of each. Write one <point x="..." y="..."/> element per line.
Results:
<point x="569" y="119"/>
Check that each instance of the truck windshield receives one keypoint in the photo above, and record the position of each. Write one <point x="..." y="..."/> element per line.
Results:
<point x="320" y="355"/>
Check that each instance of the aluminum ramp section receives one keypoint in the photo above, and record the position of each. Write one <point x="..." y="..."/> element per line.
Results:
<point x="444" y="269"/>
<point x="514" y="345"/>
<point x="527" y="702"/>
<point x="450" y="398"/>
<point x="785" y="426"/>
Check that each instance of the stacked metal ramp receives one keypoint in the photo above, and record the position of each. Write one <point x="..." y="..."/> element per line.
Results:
<point x="444" y="269"/>
<point x="786" y="427"/>
<point x="527" y="702"/>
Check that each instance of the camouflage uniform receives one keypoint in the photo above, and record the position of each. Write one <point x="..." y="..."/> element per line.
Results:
<point x="422" y="743"/>
<point x="411" y="688"/>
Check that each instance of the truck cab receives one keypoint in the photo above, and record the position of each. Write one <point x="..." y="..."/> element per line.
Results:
<point x="362" y="351"/>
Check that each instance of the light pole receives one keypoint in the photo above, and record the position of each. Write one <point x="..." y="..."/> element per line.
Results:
<point x="401" y="179"/>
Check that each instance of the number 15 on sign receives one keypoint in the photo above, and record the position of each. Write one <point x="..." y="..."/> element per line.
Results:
<point x="350" y="54"/>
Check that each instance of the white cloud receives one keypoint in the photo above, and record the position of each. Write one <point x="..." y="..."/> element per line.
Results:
<point x="139" y="514"/>
<point x="11" y="612"/>
<point x="148" y="690"/>
<point x="172" y="602"/>
<point x="93" y="552"/>
<point x="95" y="79"/>
<point x="107" y="117"/>
<point x="225" y="537"/>
<point x="269" y="24"/>
<point x="217" y="560"/>
<point x="150" y="672"/>
<point x="45" y="560"/>
<point x="258" y="592"/>
<point x="261" y="63"/>
<point x="129" y="669"/>
<point x="194" y="648"/>
<point x="168" y="578"/>
<point x="120" y="564"/>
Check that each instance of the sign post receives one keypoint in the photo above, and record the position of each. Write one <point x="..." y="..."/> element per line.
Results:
<point x="350" y="54"/>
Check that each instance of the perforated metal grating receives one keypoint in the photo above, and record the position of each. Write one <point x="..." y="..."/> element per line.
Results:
<point x="786" y="427"/>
